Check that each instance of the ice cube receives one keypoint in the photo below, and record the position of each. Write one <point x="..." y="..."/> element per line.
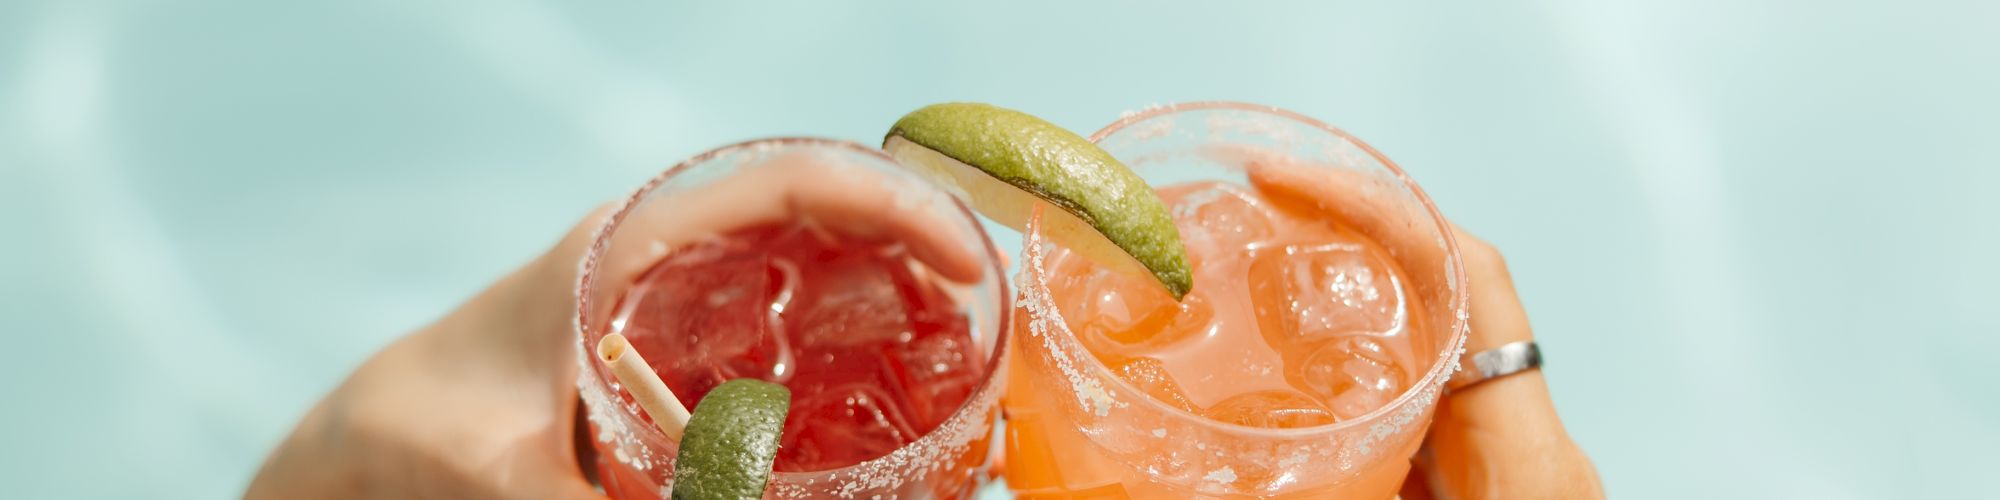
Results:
<point x="1318" y="292"/>
<point x="1127" y="314"/>
<point x="936" y="372"/>
<point x="1114" y="310"/>
<point x="1351" y="375"/>
<point x="713" y="320"/>
<point x="847" y="305"/>
<point x="1217" y="220"/>
<point x="1271" y="409"/>
<point x="928" y="302"/>
<point x="840" y="427"/>
<point x="1150" y="375"/>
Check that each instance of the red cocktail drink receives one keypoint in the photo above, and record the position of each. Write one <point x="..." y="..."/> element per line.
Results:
<point x="893" y="369"/>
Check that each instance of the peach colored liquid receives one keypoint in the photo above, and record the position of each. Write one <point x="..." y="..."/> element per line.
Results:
<point x="1294" y="321"/>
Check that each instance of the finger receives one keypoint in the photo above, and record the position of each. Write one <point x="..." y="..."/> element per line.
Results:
<point x="527" y="314"/>
<point x="875" y="206"/>
<point x="1502" y="437"/>
<point x="1374" y="204"/>
<point x="571" y="248"/>
<point x="1496" y="314"/>
<point x="1502" y="428"/>
<point x="847" y="199"/>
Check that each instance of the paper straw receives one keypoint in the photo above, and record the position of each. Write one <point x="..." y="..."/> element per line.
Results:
<point x="638" y="378"/>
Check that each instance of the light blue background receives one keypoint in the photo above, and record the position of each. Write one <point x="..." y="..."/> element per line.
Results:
<point x="1758" y="238"/>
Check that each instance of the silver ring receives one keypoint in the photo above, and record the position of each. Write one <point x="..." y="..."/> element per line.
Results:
<point x="1508" y="359"/>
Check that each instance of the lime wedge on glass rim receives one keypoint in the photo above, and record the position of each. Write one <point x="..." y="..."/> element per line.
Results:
<point x="1004" y="161"/>
<point x="731" y="441"/>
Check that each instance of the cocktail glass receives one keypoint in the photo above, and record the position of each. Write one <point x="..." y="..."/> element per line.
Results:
<point x="1075" y="430"/>
<point x="635" y="459"/>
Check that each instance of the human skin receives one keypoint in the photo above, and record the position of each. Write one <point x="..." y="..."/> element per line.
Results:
<point x="1500" y="438"/>
<point x="1497" y="439"/>
<point x="482" y="403"/>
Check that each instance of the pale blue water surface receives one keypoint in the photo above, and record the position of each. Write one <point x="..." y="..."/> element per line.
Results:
<point x="1757" y="238"/>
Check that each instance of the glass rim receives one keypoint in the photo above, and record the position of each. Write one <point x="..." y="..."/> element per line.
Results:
<point x="601" y="243"/>
<point x="1435" y="376"/>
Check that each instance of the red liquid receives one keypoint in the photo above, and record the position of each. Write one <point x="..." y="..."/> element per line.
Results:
<point x="875" y="354"/>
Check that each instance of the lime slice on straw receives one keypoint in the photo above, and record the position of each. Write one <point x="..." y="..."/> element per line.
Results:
<point x="731" y="441"/>
<point x="1004" y="160"/>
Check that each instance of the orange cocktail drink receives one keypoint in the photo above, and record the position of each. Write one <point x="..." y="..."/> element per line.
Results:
<point x="1327" y="311"/>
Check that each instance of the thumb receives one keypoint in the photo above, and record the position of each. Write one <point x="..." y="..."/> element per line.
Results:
<point x="526" y="316"/>
<point x="561" y="261"/>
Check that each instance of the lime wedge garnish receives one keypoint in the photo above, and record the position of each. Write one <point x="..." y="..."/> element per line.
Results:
<point x="731" y="441"/>
<point x="1004" y="160"/>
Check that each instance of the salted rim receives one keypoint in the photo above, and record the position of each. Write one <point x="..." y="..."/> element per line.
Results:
<point x="601" y="241"/>
<point x="1439" y="372"/>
